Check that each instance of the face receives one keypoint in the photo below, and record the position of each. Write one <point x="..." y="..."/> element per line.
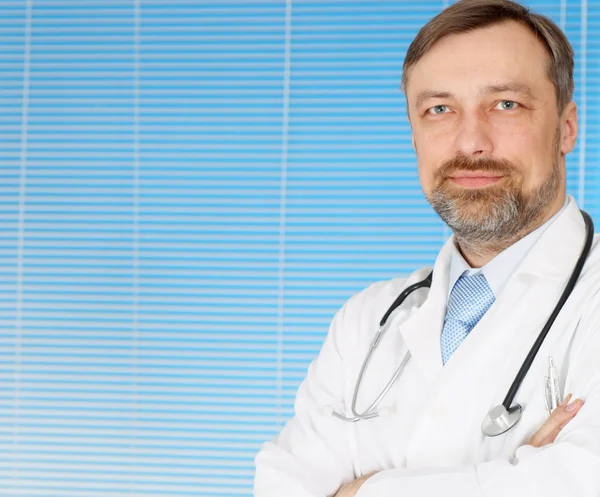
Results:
<point x="489" y="138"/>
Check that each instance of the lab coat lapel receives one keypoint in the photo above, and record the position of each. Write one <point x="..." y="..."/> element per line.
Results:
<point x="421" y="332"/>
<point x="556" y="252"/>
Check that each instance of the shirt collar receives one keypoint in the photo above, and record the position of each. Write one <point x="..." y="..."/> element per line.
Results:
<point x="501" y="267"/>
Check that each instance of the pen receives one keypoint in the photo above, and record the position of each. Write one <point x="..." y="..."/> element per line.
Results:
<point x="552" y="390"/>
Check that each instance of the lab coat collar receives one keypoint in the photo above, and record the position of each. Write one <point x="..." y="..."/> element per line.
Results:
<point x="556" y="252"/>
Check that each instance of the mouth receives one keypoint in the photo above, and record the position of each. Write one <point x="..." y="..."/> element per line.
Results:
<point x="475" y="179"/>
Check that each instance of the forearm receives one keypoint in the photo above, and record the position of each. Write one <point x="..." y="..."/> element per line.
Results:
<point x="556" y="470"/>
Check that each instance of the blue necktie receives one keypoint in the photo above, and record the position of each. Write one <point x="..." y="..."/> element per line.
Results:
<point x="469" y="300"/>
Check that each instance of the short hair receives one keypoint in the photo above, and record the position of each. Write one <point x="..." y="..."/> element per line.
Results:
<point x="469" y="15"/>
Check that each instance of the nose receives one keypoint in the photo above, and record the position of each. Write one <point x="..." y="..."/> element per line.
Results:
<point x="473" y="136"/>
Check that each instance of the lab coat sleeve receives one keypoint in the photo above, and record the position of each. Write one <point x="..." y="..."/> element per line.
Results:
<point x="311" y="457"/>
<point x="568" y="467"/>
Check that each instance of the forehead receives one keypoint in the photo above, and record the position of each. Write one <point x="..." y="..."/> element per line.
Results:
<point x="506" y="52"/>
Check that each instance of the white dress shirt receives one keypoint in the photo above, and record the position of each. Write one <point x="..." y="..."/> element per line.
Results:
<point x="499" y="269"/>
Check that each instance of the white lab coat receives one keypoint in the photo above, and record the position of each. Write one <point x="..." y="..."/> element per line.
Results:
<point x="429" y="443"/>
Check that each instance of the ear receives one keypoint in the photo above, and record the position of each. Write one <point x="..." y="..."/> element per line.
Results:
<point x="568" y="128"/>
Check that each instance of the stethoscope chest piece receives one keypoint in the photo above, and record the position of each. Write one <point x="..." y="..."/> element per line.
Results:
<point x="499" y="420"/>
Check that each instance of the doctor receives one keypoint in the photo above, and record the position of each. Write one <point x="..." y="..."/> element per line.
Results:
<point x="489" y="90"/>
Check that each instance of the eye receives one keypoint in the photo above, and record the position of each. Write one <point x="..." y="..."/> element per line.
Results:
<point x="507" y="105"/>
<point x="437" y="110"/>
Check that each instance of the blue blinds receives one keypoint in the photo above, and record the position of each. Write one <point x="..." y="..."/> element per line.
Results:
<point x="189" y="191"/>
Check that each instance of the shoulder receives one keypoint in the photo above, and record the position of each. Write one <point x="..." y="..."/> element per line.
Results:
<point x="380" y="295"/>
<point x="584" y="349"/>
<point x="360" y="316"/>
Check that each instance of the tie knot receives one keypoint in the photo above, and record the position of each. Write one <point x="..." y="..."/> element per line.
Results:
<point x="469" y="300"/>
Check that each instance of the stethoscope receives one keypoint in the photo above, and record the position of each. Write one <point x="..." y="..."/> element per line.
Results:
<point x="504" y="416"/>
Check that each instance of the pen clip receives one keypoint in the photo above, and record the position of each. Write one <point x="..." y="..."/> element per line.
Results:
<point x="548" y="396"/>
<point x="553" y="395"/>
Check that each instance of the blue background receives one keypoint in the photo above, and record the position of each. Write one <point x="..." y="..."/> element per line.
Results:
<point x="188" y="191"/>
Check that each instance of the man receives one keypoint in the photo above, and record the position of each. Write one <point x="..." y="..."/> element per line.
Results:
<point x="489" y="90"/>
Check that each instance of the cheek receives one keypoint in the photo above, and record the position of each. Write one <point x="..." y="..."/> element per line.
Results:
<point x="429" y="159"/>
<point x="426" y="168"/>
<point x="532" y="153"/>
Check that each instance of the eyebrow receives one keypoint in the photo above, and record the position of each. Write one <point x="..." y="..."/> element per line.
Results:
<point x="488" y="90"/>
<point x="514" y="87"/>
<point x="427" y="94"/>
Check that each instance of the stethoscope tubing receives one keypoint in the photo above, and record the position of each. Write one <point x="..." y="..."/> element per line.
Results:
<point x="514" y="388"/>
<point x="370" y="412"/>
<point x="389" y="385"/>
<point x="425" y="283"/>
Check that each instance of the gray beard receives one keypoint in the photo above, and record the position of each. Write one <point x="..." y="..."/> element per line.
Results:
<point x="493" y="219"/>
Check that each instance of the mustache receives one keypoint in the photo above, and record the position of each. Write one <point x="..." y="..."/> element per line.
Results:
<point x="462" y="163"/>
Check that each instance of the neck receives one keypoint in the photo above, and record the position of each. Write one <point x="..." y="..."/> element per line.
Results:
<point x="478" y="255"/>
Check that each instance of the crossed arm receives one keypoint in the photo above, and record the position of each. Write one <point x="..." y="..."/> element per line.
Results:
<point x="546" y="435"/>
